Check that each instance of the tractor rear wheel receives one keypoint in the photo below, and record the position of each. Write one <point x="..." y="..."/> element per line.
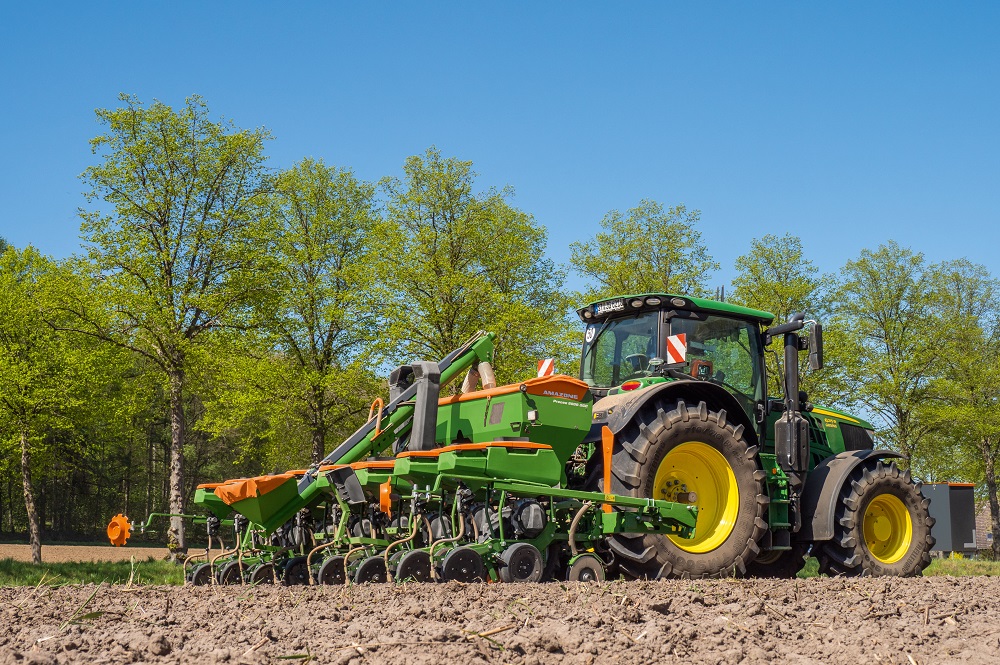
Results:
<point x="689" y="453"/>
<point x="881" y="526"/>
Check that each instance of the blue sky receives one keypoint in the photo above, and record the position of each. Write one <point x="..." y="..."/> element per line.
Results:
<point x="845" y="123"/>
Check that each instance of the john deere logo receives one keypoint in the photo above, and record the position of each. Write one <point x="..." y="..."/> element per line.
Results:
<point x="610" y="306"/>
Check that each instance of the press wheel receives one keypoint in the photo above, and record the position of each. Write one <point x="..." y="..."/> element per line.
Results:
<point x="371" y="570"/>
<point x="332" y="571"/>
<point x="414" y="565"/>
<point x="585" y="568"/>
<point x="262" y="574"/>
<point x="201" y="574"/>
<point x="521" y="562"/>
<point x="463" y="564"/>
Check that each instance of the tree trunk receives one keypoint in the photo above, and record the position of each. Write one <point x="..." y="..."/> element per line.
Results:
<point x="318" y="445"/>
<point x="318" y="425"/>
<point x="990" y="473"/>
<point x="176" y="540"/>
<point x="34" y="534"/>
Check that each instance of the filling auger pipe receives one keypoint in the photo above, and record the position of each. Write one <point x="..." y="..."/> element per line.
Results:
<point x="363" y="443"/>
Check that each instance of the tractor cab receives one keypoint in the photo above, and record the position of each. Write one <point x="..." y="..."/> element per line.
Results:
<point x="634" y="342"/>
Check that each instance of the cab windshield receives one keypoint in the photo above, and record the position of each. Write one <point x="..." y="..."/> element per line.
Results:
<point x="724" y="351"/>
<point x="717" y="349"/>
<point x="617" y="350"/>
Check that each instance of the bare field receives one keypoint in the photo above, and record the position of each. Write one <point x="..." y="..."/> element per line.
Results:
<point x="818" y="620"/>
<point x="73" y="553"/>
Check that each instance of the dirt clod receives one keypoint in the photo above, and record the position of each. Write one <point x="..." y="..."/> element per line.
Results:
<point x="158" y="645"/>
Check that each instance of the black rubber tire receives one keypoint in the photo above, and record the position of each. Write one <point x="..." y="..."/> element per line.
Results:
<point x="781" y="565"/>
<point x="639" y="449"/>
<point x="201" y="575"/>
<point x="262" y="574"/>
<point x="414" y="566"/>
<point x="521" y="562"/>
<point x="231" y="573"/>
<point x="296" y="572"/>
<point x="332" y="571"/>
<point x="585" y="568"/>
<point x="848" y="553"/>
<point x="463" y="564"/>
<point x="371" y="571"/>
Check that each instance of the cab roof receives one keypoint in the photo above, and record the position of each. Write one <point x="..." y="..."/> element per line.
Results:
<point x="609" y="307"/>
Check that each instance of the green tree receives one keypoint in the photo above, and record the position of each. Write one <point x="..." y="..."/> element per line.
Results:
<point x="175" y="242"/>
<point x="650" y="248"/>
<point x="775" y="276"/>
<point x="967" y="394"/>
<point x="312" y="362"/>
<point x="40" y="373"/>
<point x="891" y="345"/>
<point x="462" y="261"/>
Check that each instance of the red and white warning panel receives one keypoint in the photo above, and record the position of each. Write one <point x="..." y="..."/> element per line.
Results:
<point x="546" y="367"/>
<point x="677" y="348"/>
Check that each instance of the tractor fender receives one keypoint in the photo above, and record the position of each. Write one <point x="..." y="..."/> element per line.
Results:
<point x="617" y="411"/>
<point x="819" y="499"/>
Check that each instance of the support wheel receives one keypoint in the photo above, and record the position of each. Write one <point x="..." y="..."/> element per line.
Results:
<point x="687" y="453"/>
<point x="296" y="572"/>
<point x="232" y="573"/>
<point x="782" y="564"/>
<point x="371" y="570"/>
<point x="414" y="566"/>
<point x="463" y="564"/>
<point x="332" y="571"/>
<point x="521" y="562"/>
<point x="585" y="568"/>
<point x="201" y="574"/>
<point x="262" y="574"/>
<point x="881" y="527"/>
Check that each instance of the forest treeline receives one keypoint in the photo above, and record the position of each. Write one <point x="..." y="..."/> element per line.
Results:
<point x="224" y="319"/>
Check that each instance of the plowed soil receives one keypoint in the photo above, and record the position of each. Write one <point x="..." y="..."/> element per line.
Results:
<point x="820" y="620"/>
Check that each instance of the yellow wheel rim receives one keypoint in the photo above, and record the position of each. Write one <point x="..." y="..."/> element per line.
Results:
<point x="887" y="528"/>
<point x="700" y="468"/>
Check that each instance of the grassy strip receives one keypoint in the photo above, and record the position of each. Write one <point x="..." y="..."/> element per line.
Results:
<point x="20" y="573"/>
<point x="953" y="567"/>
<point x="962" y="567"/>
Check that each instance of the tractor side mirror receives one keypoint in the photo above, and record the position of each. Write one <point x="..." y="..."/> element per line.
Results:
<point x="816" y="347"/>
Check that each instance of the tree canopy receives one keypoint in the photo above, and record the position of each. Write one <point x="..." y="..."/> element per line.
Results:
<point x="463" y="261"/>
<point x="175" y="240"/>
<point x="649" y="248"/>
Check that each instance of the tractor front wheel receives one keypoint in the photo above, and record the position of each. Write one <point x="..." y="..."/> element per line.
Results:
<point x="690" y="454"/>
<point x="881" y="526"/>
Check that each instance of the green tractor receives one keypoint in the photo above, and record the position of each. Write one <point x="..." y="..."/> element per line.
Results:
<point x="680" y="385"/>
